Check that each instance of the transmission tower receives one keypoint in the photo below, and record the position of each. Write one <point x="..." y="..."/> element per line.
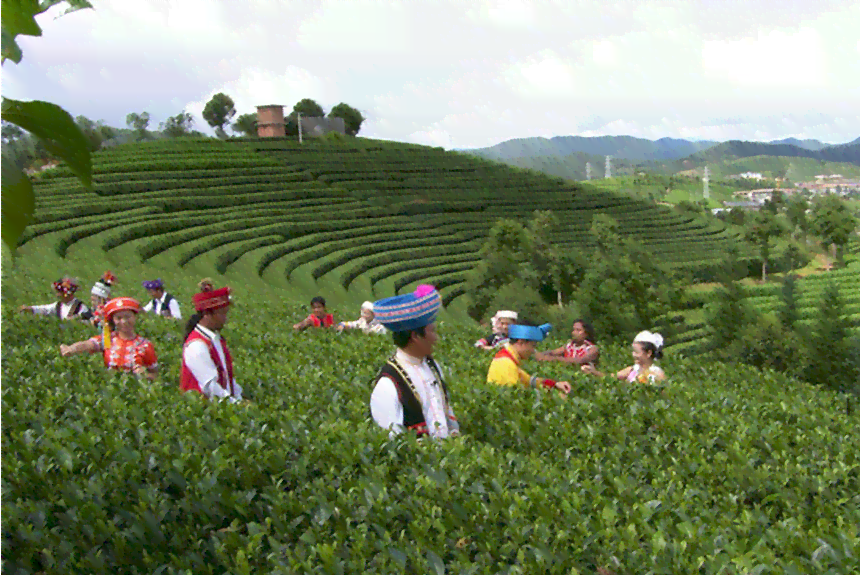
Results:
<point x="587" y="170"/>
<point x="705" y="182"/>
<point x="608" y="167"/>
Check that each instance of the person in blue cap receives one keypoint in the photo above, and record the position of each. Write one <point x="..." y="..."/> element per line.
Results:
<point x="410" y="392"/>
<point x="505" y="368"/>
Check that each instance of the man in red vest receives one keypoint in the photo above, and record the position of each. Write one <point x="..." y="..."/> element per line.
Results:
<point x="207" y="366"/>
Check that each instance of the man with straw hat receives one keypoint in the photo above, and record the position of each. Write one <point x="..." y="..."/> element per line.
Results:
<point x="207" y="366"/>
<point x="410" y="392"/>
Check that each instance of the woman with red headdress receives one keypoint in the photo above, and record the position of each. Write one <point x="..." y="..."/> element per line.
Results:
<point x="67" y="306"/>
<point x="122" y="349"/>
<point x="207" y="366"/>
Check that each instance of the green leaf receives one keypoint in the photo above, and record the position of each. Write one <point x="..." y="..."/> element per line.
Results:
<point x="58" y="132"/>
<point x="436" y="563"/>
<point x="19" y="18"/>
<point x="18" y="203"/>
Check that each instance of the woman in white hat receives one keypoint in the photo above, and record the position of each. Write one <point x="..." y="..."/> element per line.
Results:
<point x="99" y="296"/>
<point x="500" y="322"/>
<point x="647" y="348"/>
<point x="366" y="323"/>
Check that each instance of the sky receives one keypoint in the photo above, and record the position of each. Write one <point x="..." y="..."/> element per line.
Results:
<point x="465" y="73"/>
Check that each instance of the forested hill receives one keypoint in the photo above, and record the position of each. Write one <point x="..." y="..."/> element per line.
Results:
<point x="627" y="147"/>
<point x="734" y="149"/>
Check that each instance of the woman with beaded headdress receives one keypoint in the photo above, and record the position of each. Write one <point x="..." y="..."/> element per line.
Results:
<point x="121" y="347"/>
<point x="67" y="306"/>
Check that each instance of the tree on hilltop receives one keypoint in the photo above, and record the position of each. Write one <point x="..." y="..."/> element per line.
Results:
<point x="351" y="117"/>
<point x="246" y="124"/>
<point x="218" y="112"/>
<point x="95" y="132"/>
<point x="179" y="125"/>
<point x="138" y="123"/>
<point x="307" y="108"/>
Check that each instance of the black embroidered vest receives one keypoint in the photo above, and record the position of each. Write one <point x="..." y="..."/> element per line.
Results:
<point x="413" y="414"/>
<point x="165" y="307"/>
<point x="76" y="308"/>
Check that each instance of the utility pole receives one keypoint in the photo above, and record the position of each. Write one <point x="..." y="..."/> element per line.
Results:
<point x="587" y="170"/>
<point x="608" y="167"/>
<point x="705" y="181"/>
<point x="299" y="116"/>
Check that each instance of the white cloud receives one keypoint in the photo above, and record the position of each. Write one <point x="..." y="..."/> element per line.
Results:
<point x="505" y="14"/>
<point x="604" y="53"/>
<point x="465" y="75"/>
<point x="357" y="27"/>
<point x="775" y="59"/>
<point x="544" y="76"/>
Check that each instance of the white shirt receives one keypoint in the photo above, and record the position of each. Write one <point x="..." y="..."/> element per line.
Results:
<point x="65" y="309"/>
<point x="367" y="327"/>
<point x="174" y="306"/>
<point x="199" y="362"/>
<point x="387" y="410"/>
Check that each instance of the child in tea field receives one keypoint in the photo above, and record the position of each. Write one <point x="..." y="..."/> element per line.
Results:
<point x="647" y="348"/>
<point x="366" y="323"/>
<point x="207" y="366"/>
<point x="410" y="392"/>
<point x="67" y="306"/>
<point x="580" y="349"/>
<point x="162" y="303"/>
<point x="319" y="316"/>
<point x="505" y="368"/>
<point x="121" y="348"/>
<point x="99" y="296"/>
<point x="500" y="322"/>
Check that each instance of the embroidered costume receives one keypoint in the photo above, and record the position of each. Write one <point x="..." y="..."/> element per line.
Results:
<point x="497" y="338"/>
<point x="122" y="354"/>
<point x="410" y="392"/>
<point x="207" y="366"/>
<point x="326" y="321"/>
<point x="505" y="368"/>
<point x="372" y="326"/>
<point x="101" y="291"/>
<point x="69" y="310"/>
<point x="574" y="350"/>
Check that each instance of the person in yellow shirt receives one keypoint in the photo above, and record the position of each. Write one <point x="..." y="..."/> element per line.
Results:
<point x="505" y="368"/>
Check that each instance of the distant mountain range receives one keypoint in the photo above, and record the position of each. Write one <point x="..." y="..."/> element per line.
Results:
<point x="566" y="156"/>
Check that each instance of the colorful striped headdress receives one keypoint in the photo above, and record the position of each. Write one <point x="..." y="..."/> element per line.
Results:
<point x="409" y="311"/>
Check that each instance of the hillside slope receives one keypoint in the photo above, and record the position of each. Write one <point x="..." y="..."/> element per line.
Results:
<point x="352" y="220"/>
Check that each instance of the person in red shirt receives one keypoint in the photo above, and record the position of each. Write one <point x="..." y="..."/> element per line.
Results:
<point x="122" y="349"/>
<point x="319" y="316"/>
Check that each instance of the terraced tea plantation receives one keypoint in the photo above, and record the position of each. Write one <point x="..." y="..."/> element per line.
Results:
<point x="730" y="471"/>
<point x="350" y="219"/>
<point x="693" y="336"/>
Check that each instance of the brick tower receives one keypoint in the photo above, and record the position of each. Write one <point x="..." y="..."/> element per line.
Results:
<point x="270" y="121"/>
